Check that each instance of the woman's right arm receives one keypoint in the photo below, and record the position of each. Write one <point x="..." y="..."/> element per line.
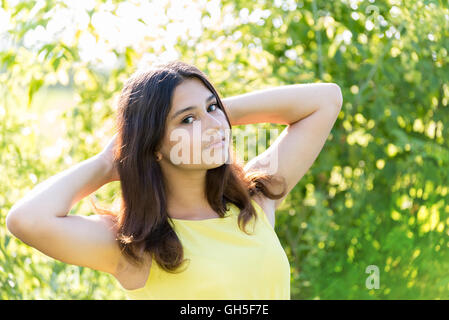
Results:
<point x="41" y="219"/>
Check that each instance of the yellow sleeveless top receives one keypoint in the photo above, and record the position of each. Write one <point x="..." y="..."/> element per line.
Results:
<point x="224" y="262"/>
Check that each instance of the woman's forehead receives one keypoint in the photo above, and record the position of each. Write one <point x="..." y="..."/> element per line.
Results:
<point x="190" y="91"/>
<point x="189" y="96"/>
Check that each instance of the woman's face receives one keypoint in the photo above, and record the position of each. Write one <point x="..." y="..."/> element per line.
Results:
<point x="194" y="122"/>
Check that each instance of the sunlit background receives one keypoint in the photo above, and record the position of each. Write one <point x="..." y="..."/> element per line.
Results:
<point x="378" y="194"/>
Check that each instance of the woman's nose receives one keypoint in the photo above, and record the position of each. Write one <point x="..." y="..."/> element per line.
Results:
<point x="213" y="123"/>
<point x="213" y="129"/>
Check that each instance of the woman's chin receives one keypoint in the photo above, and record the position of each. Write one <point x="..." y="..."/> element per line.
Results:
<point x="214" y="162"/>
<point x="215" y="157"/>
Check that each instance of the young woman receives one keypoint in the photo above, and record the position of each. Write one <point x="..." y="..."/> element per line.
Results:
<point x="181" y="232"/>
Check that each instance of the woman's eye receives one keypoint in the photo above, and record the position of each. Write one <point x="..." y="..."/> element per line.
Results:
<point x="184" y="120"/>
<point x="214" y="104"/>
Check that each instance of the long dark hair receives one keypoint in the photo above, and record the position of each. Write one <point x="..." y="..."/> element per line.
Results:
<point x="142" y="221"/>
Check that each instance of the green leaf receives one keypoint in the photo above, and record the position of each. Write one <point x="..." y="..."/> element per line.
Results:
<point x="34" y="86"/>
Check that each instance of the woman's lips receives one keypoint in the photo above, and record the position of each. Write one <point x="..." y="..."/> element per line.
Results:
<point x="216" y="144"/>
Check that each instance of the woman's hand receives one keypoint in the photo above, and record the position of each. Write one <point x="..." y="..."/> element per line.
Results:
<point x="108" y="154"/>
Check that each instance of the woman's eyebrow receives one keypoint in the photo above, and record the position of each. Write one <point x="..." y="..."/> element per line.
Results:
<point x="211" y="97"/>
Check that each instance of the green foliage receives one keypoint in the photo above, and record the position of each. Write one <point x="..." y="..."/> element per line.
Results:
<point x="378" y="194"/>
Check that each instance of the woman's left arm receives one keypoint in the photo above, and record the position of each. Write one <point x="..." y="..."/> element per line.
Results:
<point x="282" y="105"/>
<point x="308" y="110"/>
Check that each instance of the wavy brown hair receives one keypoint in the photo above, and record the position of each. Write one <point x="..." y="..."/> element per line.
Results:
<point x="142" y="221"/>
